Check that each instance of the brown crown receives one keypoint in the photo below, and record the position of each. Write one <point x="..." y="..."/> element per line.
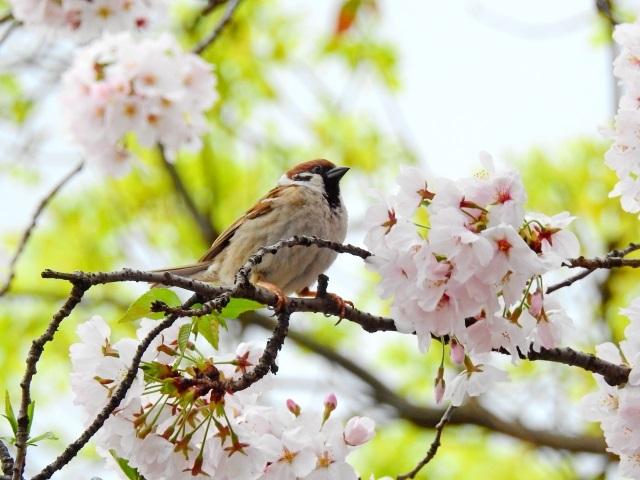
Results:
<point x="308" y="166"/>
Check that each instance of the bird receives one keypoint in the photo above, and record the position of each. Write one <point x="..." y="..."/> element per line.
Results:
<point x="305" y="201"/>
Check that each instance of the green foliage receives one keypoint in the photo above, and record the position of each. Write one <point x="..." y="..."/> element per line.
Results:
<point x="129" y="472"/>
<point x="238" y="306"/>
<point x="209" y="327"/>
<point x="14" y="105"/>
<point x="142" y="306"/>
<point x="465" y="453"/>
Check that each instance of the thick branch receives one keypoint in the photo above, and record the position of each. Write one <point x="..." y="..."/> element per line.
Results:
<point x="433" y="449"/>
<point x="426" y="417"/>
<point x="74" y="447"/>
<point x="614" y="374"/>
<point x="35" y="352"/>
<point x="34" y="219"/>
<point x="207" y="229"/>
<point x="226" y="18"/>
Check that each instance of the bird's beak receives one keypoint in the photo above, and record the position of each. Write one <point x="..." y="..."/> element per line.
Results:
<point x="337" y="173"/>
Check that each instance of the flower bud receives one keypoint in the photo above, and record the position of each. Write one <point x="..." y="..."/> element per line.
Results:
<point x="359" y="430"/>
<point x="293" y="407"/>
<point x="457" y="352"/>
<point x="330" y="404"/>
<point x="535" y="306"/>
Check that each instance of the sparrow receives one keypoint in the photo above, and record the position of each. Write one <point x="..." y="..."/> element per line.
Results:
<point x="306" y="201"/>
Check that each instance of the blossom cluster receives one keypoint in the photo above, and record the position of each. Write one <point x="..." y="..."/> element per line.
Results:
<point x="149" y="87"/>
<point x="462" y="259"/>
<point x="617" y="407"/>
<point x="173" y="425"/>
<point x="88" y="19"/>
<point x="623" y="155"/>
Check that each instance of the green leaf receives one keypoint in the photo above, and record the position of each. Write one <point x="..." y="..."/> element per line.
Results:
<point x="183" y="336"/>
<point x="130" y="472"/>
<point x="209" y="327"/>
<point x="142" y="306"/>
<point x="30" y="411"/>
<point x="42" y="436"/>
<point x="239" y="305"/>
<point x="8" y="413"/>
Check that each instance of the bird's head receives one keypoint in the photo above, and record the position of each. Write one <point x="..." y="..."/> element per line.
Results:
<point x="320" y="175"/>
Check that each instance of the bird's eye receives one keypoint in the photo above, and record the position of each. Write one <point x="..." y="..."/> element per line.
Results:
<point x="316" y="169"/>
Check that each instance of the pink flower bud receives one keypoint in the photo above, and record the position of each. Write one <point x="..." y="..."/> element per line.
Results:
<point x="330" y="402"/>
<point x="535" y="308"/>
<point x="457" y="352"/>
<point x="293" y="407"/>
<point x="359" y="430"/>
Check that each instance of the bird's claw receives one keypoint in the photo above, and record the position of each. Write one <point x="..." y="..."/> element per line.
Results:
<point x="281" y="298"/>
<point x="340" y="302"/>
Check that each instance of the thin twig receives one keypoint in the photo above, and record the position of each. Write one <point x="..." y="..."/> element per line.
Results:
<point x="204" y="223"/>
<point x="6" y="460"/>
<point x="593" y="265"/>
<point x="34" y="219"/>
<point x="433" y="449"/>
<point x="35" y="352"/>
<point x="226" y="18"/>
<point x="73" y="448"/>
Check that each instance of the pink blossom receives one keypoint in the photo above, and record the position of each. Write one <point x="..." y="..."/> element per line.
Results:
<point x="359" y="430"/>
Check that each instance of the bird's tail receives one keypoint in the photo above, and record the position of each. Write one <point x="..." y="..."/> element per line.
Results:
<point x="191" y="271"/>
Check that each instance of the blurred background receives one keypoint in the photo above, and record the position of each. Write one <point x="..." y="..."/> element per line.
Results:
<point x="371" y="84"/>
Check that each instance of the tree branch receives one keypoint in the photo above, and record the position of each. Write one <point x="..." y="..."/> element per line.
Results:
<point x="594" y="265"/>
<point x="226" y="18"/>
<point x="204" y="223"/>
<point x="426" y="417"/>
<point x="433" y="449"/>
<point x="34" y="219"/>
<point x="35" y="352"/>
<point x="614" y="374"/>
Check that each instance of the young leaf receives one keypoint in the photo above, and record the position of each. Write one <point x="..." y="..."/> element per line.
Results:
<point x="42" y="436"/>
<point x="8" y="413"/>
<point x="209" y="327"/>
<point x="237" y="306"/>
<point x="142" y="306"/>
<point x="183" y="336"/>
<point x="30" y="411"/>
<point x="130" y="472"/>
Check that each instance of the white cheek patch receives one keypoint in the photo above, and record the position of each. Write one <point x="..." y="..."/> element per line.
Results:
<point x="314" y="183"/>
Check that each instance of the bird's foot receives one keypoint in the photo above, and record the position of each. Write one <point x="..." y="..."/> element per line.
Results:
<point x="340" y="302"/>
<point x="277" y="291"/>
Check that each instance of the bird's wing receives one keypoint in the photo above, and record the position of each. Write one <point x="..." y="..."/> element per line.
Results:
<point x="264" y="205"/>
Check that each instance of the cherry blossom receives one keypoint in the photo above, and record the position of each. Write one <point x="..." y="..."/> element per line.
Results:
<point x="474" y="272"/>
<point x="150" y="88"/>
<point x="617" y="408"/>
<point x="622" y="155"/>
<point x="166" y="430"/>
<point x="89" y="19"/>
